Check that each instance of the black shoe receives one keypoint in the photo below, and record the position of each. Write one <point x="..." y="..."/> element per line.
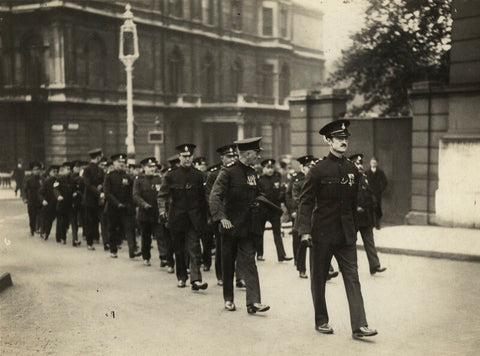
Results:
<point x="76" y="243"/>
<point x="181" y="284"/>
<point x="64" y="242"/>
<point x="163" y="263"/>
<point x="324" y="329"/>
<point x="285" y="258"/>
<point x="257" y="307"/>
<point x="206" y="268"/>
<point x="197" y="285"/>
<point x="303" y="275"/>
<point x="378" y="270"/>
<point x="90" y="248"/>
<point x="106" y="247"/>
<point x="241" y="284"/>
<point x="363" y="331"/>
<point x="230" y="306"/>
<point x="332" y="275"/>
<point x="260" y="258"/>
<point x="135" y="254"/>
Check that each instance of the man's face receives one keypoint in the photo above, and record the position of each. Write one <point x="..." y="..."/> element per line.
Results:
<point x="36" y="171"/>
<point x="338" y="144"/>
<point x="76" y="169"/>
<point x="185" y="159"/>
<point x="253" y="156"/>
<point x="228" y="158"/>
<point x="119" y="165"/>
<point x="53" y="173"/>
<point x="149" y="170"/>
<point x="268" y="170"/>
<point x="65" y="170"/>
<point x="373" y="163"/>
<point x="202" y="167"/>
<point x="359" y="165"/>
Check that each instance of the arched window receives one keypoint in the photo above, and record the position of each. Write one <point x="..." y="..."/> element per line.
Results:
<point x="208" y="72"/>
<point x="176" y="71"/>
<point x="33" y="63"/>
<point x="284" y="83"/>
<point x="94" y="55"/>
<point x="236" y="77"/>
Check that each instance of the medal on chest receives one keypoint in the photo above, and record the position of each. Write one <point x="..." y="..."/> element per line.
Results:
<point x="125" y="181"/>
<point x="251" y="180"/>
<point x="276" y="185"/>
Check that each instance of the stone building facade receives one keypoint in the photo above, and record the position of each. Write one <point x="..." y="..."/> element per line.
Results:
<point x="209" y="72"/>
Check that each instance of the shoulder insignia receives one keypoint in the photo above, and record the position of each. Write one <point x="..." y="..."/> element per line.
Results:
<point x="230" y="164"/>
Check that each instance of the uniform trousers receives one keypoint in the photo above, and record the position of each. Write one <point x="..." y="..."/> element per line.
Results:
<point x="104" y="227"/>
<point x="47" y="216"/>
<point x="165" y="245"/>
<point x="65" y="218"/>
<point x="207" y="242"/>
<point x="369" y="245"/>
<point x="33" y="213"/>
<point x="91" y="224"/>
<point x="187" y="241"/>
<point x="274" y="219"/>
<point x="121" y="222"/>
<point x="148" y="230"/>
<point x="346" y="256"/>
<point x="242" y="250"/>
<point x="299" y="252"/>
<point x="218" y="252"/>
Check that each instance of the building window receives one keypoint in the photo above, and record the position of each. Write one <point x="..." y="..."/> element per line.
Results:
<point x="267" y="21"/>
<point x="210" y="12"/>
<point x="33" y="61"/>
<point x="284" y="22"/>
<point x="237" y="15"/>
<point x="176" y="72"/>
<point x="236" y="76"/>
<point x="284" y="83"/>
<point x="196" y="10"/>
<point x="94" y="55"/>
<point x="267" y="80"/>
<point x="175" y="8"/>
<point x="208" y="77"/>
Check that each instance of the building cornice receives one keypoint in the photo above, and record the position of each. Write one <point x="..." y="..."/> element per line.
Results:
<point x="257" y="41"/>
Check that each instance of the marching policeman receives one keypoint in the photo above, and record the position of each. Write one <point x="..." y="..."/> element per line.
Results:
<point x="120" y="209"/>
<point x="93" y="177"/>
<point x="49" y="202"/>
<point x="183" y="187"/>
<point x="77" y="189"/>
<point x="32" y="198"/>
<point x="366" y="218"/>
<point x="145" y="193"/>
<point x="233" y="204"/>
<point x="327" y="221"/>
<point x="270" y="185"/>
<point x="63" y="191"/>
<point x="227" y="156"/>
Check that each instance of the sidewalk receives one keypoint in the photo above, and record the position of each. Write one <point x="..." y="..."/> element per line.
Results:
<point x="428" y="241"/>
<point x="8" y="193"/>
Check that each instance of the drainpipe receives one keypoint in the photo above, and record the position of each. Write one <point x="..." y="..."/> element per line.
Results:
<point x="429" y="128"/>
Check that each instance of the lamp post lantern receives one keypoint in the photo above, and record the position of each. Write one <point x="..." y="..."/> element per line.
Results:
<point x="128" y="54"/>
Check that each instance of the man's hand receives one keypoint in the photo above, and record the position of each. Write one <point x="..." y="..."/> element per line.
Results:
<point x="102" y="195"/>
<point x="99" y="187"/>
<point x="120" y="206"/>
<point x="226" y="224"/>
<point x="44" y="203"/>
<point x="294" y="215"/>
<point x="306" y="240"/>
<point x="147" y="206"/>
<point x="360" y="209"/>
<point x="60" y="198"/>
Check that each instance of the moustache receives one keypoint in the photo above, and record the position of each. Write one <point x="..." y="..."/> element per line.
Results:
<point x="344" y="145"/>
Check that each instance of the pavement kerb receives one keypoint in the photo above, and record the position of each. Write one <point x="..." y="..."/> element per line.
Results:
<point x="425" y="253"/>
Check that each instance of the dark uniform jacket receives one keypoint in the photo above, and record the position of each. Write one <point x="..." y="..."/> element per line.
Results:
<point x="118" y="187"/>
<point x="63" y="186"/>
<point x="271" y="187"/>
<point x="145" y="191"/>
<point x="77" y="190"/>
<point x="365" y="202"/>
<point x="211" y="178"/>
<point x="93" y="176"/>
<point x="31" y="189"/>
<point x="46" y="191"/>
<point x="328" y="202"/>
<point x="377" y="182"/>
<point x="184" y="195"/>
<point x="288" y="193"/>
<point x="297" y="186"/>
<point x="233" y="197"/>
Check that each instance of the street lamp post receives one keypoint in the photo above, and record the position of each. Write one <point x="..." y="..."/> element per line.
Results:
<point x="128" y="54"/>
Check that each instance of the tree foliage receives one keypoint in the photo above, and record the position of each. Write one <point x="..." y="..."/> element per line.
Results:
<point x="403" y="41"/>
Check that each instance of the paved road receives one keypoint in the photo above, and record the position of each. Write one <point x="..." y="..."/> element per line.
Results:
<point x="63" y="300"/>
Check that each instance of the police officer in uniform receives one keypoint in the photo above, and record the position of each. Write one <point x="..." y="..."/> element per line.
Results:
<point x="366" y="218"/>
<point x="77" y="189"/>
<point x="145" y="197"/>
<point x="118" y="187"/>
<point x="269" y="184"/>
<point x="32" y="198"/>
<point x="49" y="202"/>
<point x="93" y="177"/>
<point x="183" y="187"/>
<point x="233" y="204"/>
<point x="327" y="221"/>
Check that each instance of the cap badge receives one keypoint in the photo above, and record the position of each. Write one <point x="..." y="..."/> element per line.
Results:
<point x="343" y="126"/>
<point x="186" y="149"/>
